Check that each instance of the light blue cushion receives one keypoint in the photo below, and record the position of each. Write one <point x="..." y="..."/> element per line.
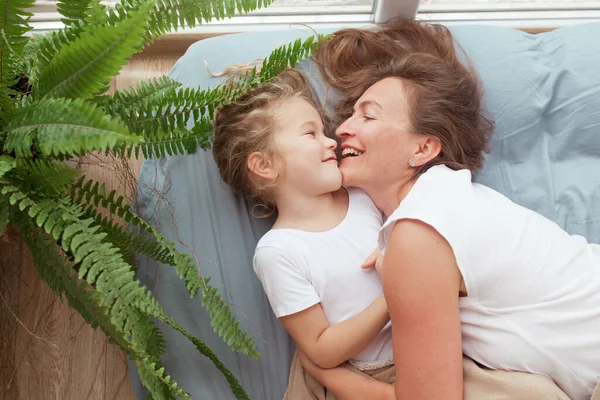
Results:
<point x="543" y="92"/>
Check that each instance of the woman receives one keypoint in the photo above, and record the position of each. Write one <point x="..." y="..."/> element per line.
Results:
<point x="464" y="268"/>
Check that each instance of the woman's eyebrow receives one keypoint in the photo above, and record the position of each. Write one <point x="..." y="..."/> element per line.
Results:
<point x="364" y="104"/>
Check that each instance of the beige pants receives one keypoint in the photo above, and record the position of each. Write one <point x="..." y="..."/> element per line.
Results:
<point x="596" y="395"/>
<point x="479" y="384"/>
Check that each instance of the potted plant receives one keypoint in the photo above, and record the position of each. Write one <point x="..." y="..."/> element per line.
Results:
<point x="53" y="106"/>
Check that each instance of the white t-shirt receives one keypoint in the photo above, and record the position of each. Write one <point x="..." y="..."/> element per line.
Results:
<point x="299" y="269"/>
<point x="533" y="299"/>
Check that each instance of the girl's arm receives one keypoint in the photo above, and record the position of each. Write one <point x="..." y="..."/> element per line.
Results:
<point x="421" y="283"/>
<point x="346" y="383"/>
<point x="330" y="345"/>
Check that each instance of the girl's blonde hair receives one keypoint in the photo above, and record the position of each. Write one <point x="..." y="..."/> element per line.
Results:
<point x="247" y="125"/>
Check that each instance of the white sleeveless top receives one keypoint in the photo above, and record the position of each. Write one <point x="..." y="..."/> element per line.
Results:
<point x="299" y="269"/>
<point x="533" y="299"/>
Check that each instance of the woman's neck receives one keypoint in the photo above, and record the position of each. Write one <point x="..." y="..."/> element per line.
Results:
<point x="315" y="214"/>
<point x="388" y="197"/>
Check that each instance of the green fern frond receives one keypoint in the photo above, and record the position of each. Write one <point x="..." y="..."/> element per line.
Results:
<point x="288" y="55"/>
<point x="171" y="15"/>
<point x="13" y="27"/>
<point x="72" y="10"/>
<point x="7" y="163"/>
<point x="91" y="192"/>
<point x="142" y="93"/>
<point x="84" y="67"/>
<point x="48" y="178"/>
<point x="95" y="15"/>
<point x="7" y="105"/>
<point x="64" y="127"/>
<point x="77" y="236"/>
<point x="178" y="141"/>
<point x="171" y="111"/>
<point x="155" y="311"/>
<point x="41" y="49"/>
<point x="58" y="272"/>
<point x="151" y="376"/>
<point x="223" y="321"/>
<point x="163" y="120"/>
<point x="129" y="243"/>
<point x="101" y="266"/>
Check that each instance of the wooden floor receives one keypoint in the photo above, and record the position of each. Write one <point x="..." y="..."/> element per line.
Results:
<point x="47" y="351"/>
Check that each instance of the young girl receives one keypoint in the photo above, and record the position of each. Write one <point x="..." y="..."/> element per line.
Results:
<point x="270" y="145"/>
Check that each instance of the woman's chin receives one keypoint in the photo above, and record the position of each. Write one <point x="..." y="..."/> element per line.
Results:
<point x="348" y="174"/>
<point x="348" y="179"/>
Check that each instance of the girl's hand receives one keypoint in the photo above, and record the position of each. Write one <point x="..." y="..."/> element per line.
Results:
<point x="308" y="365"/>
<point x="346" y="383"/>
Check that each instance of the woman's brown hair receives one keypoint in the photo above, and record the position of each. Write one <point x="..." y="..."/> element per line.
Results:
<point x="247" y="125"/>
<point x="445" y="95"/>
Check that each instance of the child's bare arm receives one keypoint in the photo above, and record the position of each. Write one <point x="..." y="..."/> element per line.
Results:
<point x="330" y="345"/>
<point x="347" y="384"/>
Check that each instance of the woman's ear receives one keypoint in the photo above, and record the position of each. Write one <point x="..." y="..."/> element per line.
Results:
<point x="429" y="148"/>
<point x="262" y="166"/>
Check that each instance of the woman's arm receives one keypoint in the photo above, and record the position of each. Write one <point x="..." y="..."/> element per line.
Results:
<point x="330" y="345"/>
<point x="421" y="282"/>
<point x="346" y="383"/>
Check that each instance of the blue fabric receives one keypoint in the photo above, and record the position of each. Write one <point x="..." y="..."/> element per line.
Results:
<point x="543" y="92"/>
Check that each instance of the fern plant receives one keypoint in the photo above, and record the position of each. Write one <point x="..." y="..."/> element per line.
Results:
<point x="53" y="106"/>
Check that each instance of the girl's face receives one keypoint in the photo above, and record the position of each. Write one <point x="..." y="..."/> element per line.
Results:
<point x="377" y="142"/>
<point x="306" y="162"/>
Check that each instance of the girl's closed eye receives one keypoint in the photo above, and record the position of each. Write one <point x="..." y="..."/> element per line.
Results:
<point x="311" y="133"/>
<point x="368" y="118"/>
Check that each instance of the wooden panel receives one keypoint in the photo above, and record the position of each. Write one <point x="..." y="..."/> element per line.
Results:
<point x="52" y="353"/>
<point x="10" y="275"/>
<point x="537" y="30"/>
<point x="118" y="386"/>
<point x="39" y="351"/>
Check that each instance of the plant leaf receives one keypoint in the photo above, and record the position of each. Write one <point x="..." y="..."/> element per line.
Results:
<point x="65" y="127"/>
<point x="72" y="10"/>
<point x="7" y="163"/>
<point x="84" y="67"/>
<point x="13" y="26"/>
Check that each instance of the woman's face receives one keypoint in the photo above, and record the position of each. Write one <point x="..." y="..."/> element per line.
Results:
<point x="377" y="141"/>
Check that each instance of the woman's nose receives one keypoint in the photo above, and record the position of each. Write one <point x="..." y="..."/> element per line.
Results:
<point x="345" y="129"/>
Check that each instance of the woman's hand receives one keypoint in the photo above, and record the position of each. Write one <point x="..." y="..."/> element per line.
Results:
<point x="375" y="259"/>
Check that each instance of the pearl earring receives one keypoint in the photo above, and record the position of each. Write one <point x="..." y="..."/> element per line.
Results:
<point x="412" y="163"/>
